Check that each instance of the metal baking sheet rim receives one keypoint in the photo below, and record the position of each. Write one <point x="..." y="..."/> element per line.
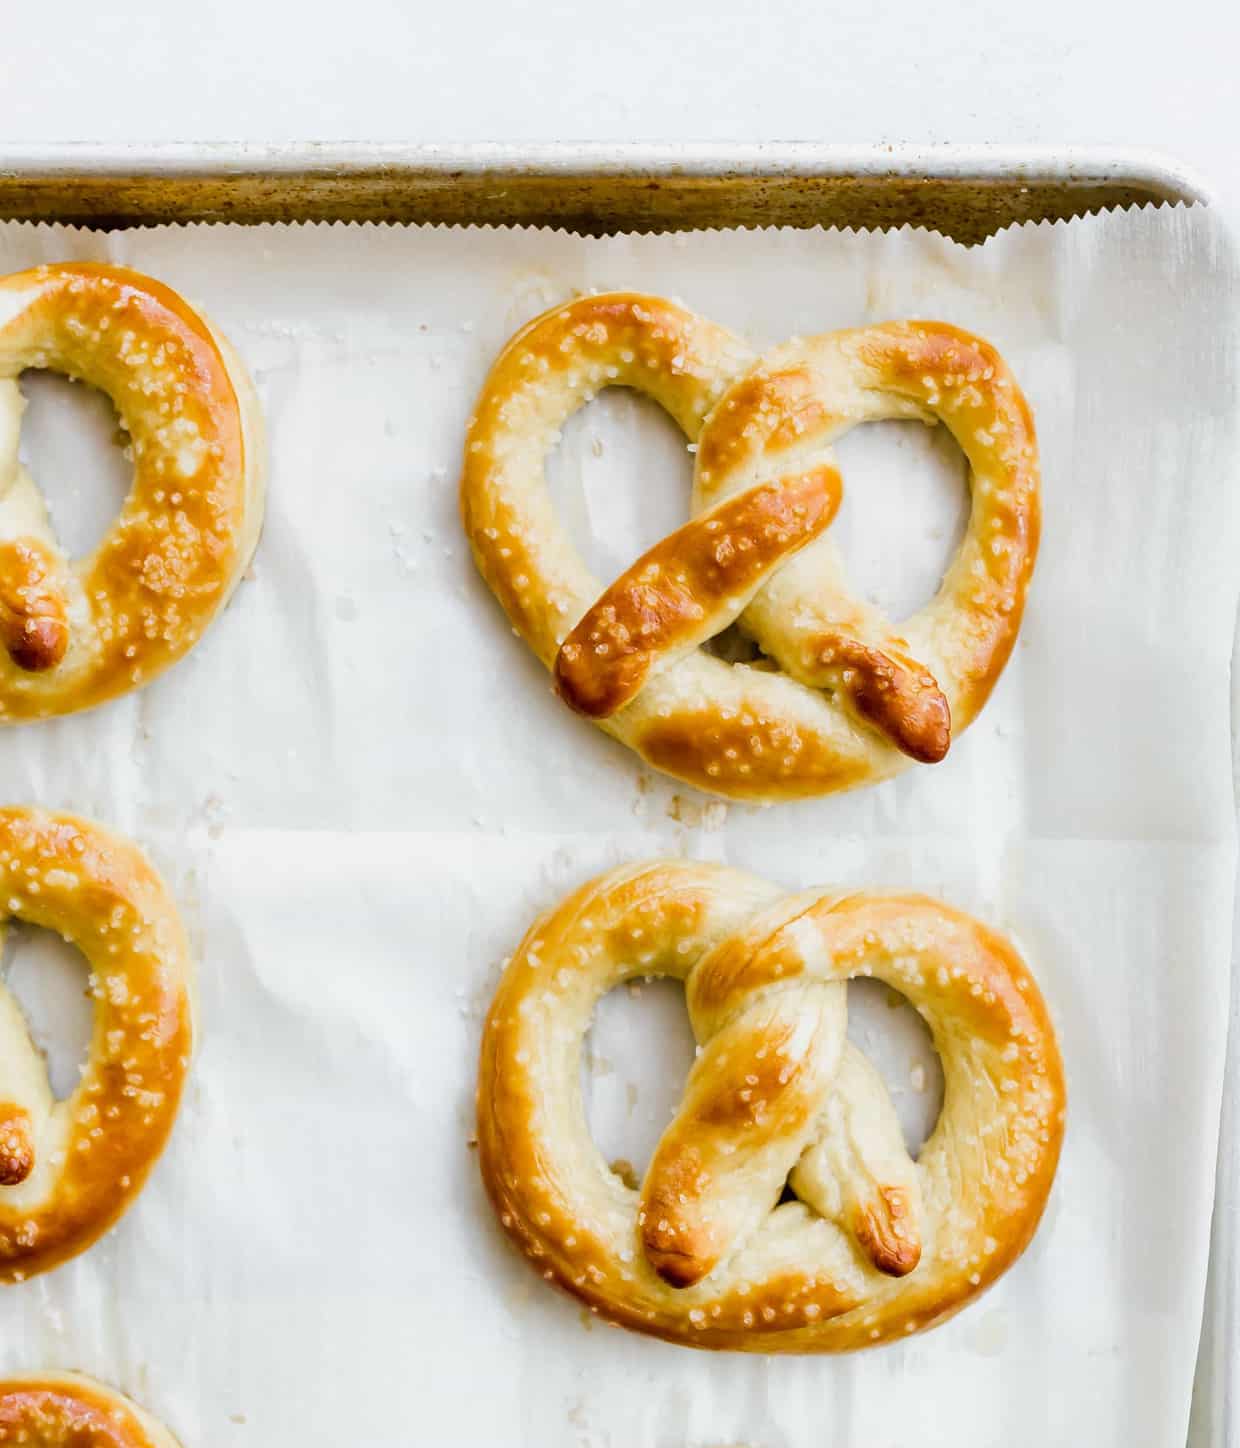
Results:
<point x="965" y="191"/>
<point x="51" y="182"/>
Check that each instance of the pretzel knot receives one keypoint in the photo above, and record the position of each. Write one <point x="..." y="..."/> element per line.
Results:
<point x="873" y="1245"/>
<point x="840" y="697"/>
<point x="67" y="1410"/>
<point x="74" y="633"/>
<point x="68" y="1169"/>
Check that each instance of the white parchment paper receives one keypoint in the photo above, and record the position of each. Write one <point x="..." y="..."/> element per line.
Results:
<point x="362" y="791"/>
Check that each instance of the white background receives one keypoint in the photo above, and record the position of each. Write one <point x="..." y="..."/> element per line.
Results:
<point x="1061" y="71"/>
<point x="1084" y="71"/>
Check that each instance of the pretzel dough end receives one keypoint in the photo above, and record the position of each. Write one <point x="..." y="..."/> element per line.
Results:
<point x="16" y="1145"/>
<point x="33" y="626"/>
<point x="881" y="1235"/>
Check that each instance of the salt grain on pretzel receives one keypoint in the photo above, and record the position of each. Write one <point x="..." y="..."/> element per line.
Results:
<point x="68" y="1169"/>
<point x="875" y="1246"/>
<point x="853" y="698"/>
<point x="74" y="633"/>
<point x="67" y="1410"/>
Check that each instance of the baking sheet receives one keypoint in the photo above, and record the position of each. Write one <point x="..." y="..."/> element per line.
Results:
<point x="593" y="187"/>
<point x="363" y="791"/>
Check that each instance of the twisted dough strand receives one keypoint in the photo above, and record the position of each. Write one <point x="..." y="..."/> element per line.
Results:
<point x="68" y="1169"/>
<point x="74" y="633"/>
<point x="876" y="1246"/>
<point x="853" y="698"/>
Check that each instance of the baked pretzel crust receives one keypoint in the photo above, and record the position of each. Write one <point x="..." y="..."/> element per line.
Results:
<point x="68" y="1410"/>
<point x="876" y="1246"/>
<point x="75" y="633"/>
<point x="842" y="697"/>
<point x="68" y="1169"/>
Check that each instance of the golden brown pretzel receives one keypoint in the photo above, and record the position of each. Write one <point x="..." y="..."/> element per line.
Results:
<point x="68" y="1410"/>
<point x="875" y="1246"/>
<point x="68" y="1169"/>
<point x="73" y="634"/>
<point x="853" y="699"/>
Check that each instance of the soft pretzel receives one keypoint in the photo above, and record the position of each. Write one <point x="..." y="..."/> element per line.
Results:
<point x="68" y="1169"/>
<point x="67" y="1410"/>
<point x="874" y="1246"/>
<point x="73" y="634"/>
<point x="841" y="697"/>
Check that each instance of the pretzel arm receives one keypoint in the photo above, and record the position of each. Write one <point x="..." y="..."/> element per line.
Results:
<point x="898" y="696"/>
<point x="34" y="624"/>
<point x="858" y="1173"/>
<point x="688" y="588"/>
<point x="749" y="1101"/>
